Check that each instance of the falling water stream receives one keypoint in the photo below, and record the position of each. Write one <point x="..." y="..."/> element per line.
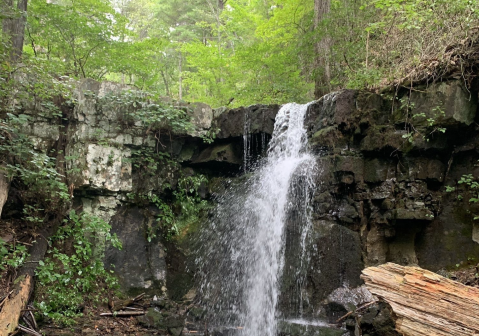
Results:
<point x="243" y="259"/>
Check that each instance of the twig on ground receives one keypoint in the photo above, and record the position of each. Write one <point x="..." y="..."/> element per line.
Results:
<point x="356" y="310"/>
<point x="124" y="313"/>
<point x="28" y="330"/>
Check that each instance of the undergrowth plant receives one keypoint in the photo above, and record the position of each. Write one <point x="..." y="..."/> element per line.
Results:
<point x="147" y="160"/>
<point x="421" y="124"/>
<point x="69" y="281"/>
<point x="188" y="198"/>
<point x="140" y="107"/>
<point x="41" y="187"/>
<point x="173" y="216"/>
<point x="12" y="255"/>
<point x="471" y="186"/>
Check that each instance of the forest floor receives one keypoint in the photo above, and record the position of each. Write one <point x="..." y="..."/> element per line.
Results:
<point x="93" y="324"/>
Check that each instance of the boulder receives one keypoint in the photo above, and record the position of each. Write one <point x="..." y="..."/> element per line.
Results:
<point x="335" y="261"/>
<point x="158" y="319"/>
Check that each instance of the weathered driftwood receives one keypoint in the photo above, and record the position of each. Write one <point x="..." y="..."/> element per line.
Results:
<point x="14" y="304"/>
<point x="424" y="302"/>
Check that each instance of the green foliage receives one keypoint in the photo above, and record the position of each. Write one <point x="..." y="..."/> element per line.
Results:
<point x="147" y="160"/>
<point x="150" y="111"/>
<point x="187" y="197"/>
<point x="69" y="281"/>
<point x="470" y="186"/>
<point x="253" y="51"/>
<point x="185" y="208"/>
<point x="253" y="56"/>
<point x="164" y="218"/>
<point x="12" y="255"/>
<point x="43" y="189"/>
<point x="210" y="135"/>
<point x="77" y="34"/>
<point x="421" y="124"/>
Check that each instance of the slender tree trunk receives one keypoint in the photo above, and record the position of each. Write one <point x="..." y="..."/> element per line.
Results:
<point x="8" y="13"/>
<point x="165" y="81"/>
<point x="180" y="90"/>
<point x="14" y="26"/>
<point x="322" y="82"/>
<point x="4" y="188"/>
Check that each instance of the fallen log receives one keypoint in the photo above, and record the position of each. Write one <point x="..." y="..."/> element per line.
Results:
<point x="14" y="304"/>
<point x="17" y="300"/>
<point x="425" y="303"/>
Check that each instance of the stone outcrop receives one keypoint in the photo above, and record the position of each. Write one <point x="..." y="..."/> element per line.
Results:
<point x="384" y="163"/>
<point x="381" y="186"/>
<point x="252" y="119"/>
<point x="389" y="186"/>
<point x="424" y="302"/>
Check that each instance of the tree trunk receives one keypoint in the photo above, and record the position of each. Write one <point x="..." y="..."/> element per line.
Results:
<point x="14" y="26"/>
<point x="165" y="81"/>
<point x="424" y="302"/>
<point x="4" y="188"/>
<point x="322" y="79"/>
<point x="180" y="79"/>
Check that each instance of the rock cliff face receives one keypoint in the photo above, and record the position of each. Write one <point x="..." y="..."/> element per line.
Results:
<point x="101" y="146"/>
<point x="382" y="190"/>
<point x="381" y="194"/>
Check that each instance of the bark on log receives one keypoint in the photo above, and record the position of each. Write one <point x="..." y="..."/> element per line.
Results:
<point x="424" y="302"/>
<point x="14" y="304"/>
<point x="23" y="284"/>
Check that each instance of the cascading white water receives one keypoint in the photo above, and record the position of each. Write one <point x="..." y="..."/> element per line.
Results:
<point x="243" y="266"/>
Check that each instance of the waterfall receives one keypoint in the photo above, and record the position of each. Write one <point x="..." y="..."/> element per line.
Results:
<point x="243" y="247"/>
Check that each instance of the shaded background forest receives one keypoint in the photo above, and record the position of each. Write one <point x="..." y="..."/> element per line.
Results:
<point x="252" y="51"/>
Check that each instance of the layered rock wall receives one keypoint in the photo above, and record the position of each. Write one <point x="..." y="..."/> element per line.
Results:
<point x="385" y="162"/>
